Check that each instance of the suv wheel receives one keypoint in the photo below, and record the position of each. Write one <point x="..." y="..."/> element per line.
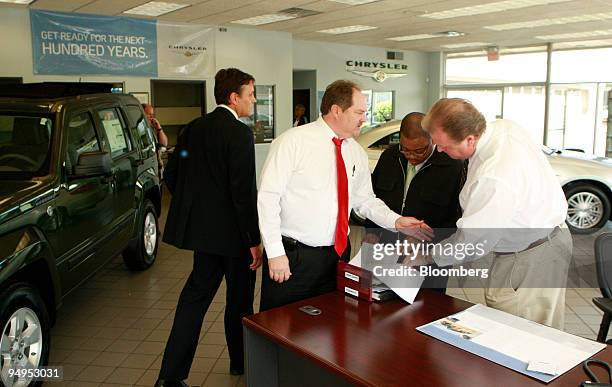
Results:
<point x="588" y="208"/>
<point x="141" y="254"/>
<point x="24" y="342"/>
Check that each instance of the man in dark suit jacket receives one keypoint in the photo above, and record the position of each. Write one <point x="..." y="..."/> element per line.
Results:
<point x="213" y="212"/>
<point x="413" y="179"/>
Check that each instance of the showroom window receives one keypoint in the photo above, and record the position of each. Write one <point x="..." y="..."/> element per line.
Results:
<point x="514" y="87"/>
<point x="380" y="107"/>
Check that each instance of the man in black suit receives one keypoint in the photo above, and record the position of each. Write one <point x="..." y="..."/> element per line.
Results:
<point x="213" y="212"/>
<point x="413" y="179"/>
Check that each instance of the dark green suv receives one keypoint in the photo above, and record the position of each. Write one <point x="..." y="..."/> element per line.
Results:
<point x="78" y="185"/>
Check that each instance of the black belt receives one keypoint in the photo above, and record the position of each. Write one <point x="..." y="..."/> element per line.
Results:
<point x="292" y="244"/>
<point x="548" y="237"/>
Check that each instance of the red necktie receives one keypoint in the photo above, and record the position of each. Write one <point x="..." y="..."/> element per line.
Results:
<point x="341" y="238"/>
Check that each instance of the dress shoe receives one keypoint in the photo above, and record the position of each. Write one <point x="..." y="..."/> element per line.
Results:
<point x="170" y="383"/>
<point x="236" y="371"/>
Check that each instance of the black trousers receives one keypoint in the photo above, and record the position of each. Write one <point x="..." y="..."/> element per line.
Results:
<point x="198" y="293"/>
<point x="313" y="272"/>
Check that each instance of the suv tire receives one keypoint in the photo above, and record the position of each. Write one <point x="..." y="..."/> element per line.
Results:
<point x="588" y="208"/>
<point x="141" y="253"/>
<point x="22" y="308"/>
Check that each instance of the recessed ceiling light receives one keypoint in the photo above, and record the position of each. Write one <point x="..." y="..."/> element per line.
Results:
<point x="265" y="19"/>
<point x="155" y="8"/>
<point x="551" y="22"/>
<point x="498" y="6"/>
<point x="17" y="1"/>
<point x="354" y="2"/>
<point x="347" y="29"/>
<point x="465" y="45"/>
<point x="575" y="35"/>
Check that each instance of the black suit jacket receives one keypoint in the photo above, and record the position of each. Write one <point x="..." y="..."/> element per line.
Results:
<point x="211" y="175"/>
<point x="433" y="195"/>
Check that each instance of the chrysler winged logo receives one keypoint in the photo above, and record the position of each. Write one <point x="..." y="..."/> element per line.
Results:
<point x="379" y="75"/>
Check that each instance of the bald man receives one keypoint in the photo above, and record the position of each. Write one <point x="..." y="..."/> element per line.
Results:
<point x="415" y="180"/>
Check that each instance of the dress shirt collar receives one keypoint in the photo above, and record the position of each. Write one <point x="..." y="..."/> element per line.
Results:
<point x="482" y="142"/>
<point x="230" y="109"/>
<point x="327" y="129"/>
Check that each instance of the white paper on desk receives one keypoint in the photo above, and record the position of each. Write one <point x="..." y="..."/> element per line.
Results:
<point x="412" y="284"/>
<point x="514" y="337"/>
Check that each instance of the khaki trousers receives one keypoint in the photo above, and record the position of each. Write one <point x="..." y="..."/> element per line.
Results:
<point x="531" y="284"/>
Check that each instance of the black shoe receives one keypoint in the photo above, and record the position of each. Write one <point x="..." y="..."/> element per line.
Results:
<point x="236" y="371"/>
<point x="170" y="383"/>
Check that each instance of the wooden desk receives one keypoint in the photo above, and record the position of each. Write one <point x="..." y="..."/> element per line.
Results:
<point x="359" y="343"/>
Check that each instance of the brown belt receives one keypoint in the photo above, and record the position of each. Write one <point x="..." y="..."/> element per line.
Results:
<point x="534" y="244"/>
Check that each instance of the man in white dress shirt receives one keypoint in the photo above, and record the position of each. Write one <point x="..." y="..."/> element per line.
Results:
<point x="513" y="204"/>
<point x="313" y="176"/>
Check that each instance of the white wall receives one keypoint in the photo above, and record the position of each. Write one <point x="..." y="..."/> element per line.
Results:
<point x="411" y="91"/>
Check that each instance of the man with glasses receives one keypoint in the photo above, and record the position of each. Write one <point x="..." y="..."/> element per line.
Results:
<point x="415" y="180"/>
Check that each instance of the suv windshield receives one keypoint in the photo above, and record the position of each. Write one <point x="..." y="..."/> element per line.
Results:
<point x="25" y="143"/>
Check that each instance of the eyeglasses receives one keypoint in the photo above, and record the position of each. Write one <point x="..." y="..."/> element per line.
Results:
<point x="414" y="152"/>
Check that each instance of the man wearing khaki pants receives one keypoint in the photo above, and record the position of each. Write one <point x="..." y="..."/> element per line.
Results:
<point x="513" y="205"/>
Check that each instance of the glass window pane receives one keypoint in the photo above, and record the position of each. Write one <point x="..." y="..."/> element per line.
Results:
<point x="382" y="109"/>
<point x="487" y="101"/>
<point x="142" y="126"/>
<point x="262" y="119"/>
<point x="593" y="65"/>
<point x="525" y="106"/>
<point x="510" y="68"/>
<point x="116" y="133"/>
<point x="81" y="138"/>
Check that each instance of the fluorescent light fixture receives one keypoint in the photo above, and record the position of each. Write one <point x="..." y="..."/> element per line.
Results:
<point x="551" y="22"/>
<point x="155" y="8"/>
<point x="498" y="6"/>
<point x="443" y="34"/>
<point x="17" y="1"/>
<point x="575" y="35"/>
<point x="354" y="2"/>
<point x="412" y="37"/>
<point x="347" y="29"/>
<point x="465" y="45"/>
<point x="265" y="19"/>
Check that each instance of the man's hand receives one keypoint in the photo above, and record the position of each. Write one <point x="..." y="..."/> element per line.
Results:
<point x="371" y="238"/>
<point x="155" y="124"/>
<point x="279" y="268"/>
<point x="256" y="253"/>
<point x="414" y="227"/>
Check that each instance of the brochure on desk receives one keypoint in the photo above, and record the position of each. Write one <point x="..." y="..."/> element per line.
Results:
<point x="527" y="347"/>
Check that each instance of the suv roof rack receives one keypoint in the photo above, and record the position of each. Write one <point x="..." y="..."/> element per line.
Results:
<point x="54" y="89"/>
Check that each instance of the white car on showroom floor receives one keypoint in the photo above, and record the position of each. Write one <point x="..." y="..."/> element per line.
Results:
<point x="586" y="179"/>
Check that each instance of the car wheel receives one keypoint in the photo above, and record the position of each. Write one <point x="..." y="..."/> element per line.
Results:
<point x="25" y="338"/>
<point x="588" y="208"/>
<point x="141" y="253"/>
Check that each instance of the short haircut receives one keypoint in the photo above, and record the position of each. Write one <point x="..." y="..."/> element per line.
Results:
<point x="411" y="126"/>
<point x="457" y="117"/>
<point x="228" y="81"/>
<point x="338" y="93"/>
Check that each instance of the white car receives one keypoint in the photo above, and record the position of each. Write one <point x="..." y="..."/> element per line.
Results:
<point x="586" y="179"/>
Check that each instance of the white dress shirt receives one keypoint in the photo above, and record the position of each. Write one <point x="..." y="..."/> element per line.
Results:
<point x="509" y="185"/>
<point x="298" y="196"/>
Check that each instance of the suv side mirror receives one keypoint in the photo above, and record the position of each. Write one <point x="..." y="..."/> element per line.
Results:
<point x="92" y="164"/>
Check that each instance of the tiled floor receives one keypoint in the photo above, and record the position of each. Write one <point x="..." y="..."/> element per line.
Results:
<point x="112" y="331"/>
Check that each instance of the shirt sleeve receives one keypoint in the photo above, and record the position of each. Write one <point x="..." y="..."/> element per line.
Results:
<point x="364" y="200"/>
<point x="490" y="205"/>
<point x="274" y="179"/>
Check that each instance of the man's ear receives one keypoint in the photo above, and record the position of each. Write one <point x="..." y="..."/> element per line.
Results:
<point x="335" y="110"/>
<point x="233" y="98"/>
<point x="471" y="139"/>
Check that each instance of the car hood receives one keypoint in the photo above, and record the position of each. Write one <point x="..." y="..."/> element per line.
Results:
<point x="585" y="157"/>
<point x="19" y="196"/>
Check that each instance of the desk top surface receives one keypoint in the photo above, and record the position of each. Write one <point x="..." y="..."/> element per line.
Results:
<point x="377" y="344"/>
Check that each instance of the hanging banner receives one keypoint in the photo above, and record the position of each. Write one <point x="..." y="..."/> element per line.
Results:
<point x="68" y="43"/>
<point x="185" y="50"/>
